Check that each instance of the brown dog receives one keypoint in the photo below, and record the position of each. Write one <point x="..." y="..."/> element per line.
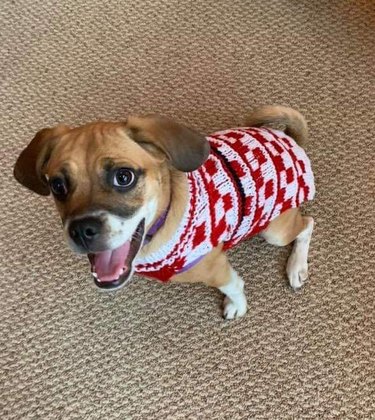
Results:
<point x="124" y="192"/>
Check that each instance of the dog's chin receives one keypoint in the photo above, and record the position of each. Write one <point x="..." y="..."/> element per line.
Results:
<point x="112" y="269"/>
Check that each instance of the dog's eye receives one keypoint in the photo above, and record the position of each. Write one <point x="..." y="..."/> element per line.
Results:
<point x="58" y="187"/>
<point x="124" y="178"/>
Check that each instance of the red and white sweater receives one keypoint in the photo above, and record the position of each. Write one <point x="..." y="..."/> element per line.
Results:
<point x="251" y="176"/>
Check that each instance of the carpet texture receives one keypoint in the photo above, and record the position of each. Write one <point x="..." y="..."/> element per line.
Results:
<point x="163" y="352"/>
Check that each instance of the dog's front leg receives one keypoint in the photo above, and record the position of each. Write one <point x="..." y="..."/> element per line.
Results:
<point x="215" y="271"/>
<point x="235" y="304"/>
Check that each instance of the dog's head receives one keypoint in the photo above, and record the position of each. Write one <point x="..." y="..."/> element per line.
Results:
<point x="110" y="181"/>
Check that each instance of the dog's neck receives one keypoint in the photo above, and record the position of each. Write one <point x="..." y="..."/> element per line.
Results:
<point x="173" y="199"/>
<point x="157" y="225"/>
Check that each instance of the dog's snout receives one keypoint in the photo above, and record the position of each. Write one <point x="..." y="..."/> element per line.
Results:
<point x="84" y="231"/>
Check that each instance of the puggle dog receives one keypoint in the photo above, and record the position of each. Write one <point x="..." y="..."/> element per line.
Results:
<point x="152" y="196"/>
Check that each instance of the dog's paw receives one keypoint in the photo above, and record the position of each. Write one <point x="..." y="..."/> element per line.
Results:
<point x="234" y="308"/>
<point x="297" y="267"/>
<point x="297" y="271"/>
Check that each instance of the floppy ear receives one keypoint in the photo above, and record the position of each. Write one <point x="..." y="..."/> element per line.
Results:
<point x="184" y="147"/>
<point x="29" y="166"/>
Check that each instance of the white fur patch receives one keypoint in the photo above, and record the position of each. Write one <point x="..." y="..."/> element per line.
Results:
<point x="119" y="229"/>
<point x="235" y="304"/>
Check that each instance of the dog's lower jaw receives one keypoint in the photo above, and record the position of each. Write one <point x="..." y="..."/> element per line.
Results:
<point x="106" y="266"/>
<point x="115" y="288"/>
<point x="149" y="212"/>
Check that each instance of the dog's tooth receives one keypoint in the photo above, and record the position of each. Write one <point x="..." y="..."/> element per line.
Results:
<point x="94" y="274"/>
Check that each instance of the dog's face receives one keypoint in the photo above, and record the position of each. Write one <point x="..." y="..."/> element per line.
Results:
<point x="109" y="182"/>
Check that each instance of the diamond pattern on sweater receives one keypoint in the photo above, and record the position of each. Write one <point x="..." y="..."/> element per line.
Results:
<point x="251" y="176"/>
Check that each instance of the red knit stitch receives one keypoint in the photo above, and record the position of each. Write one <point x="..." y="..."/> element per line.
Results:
<point x="251" y="176"/>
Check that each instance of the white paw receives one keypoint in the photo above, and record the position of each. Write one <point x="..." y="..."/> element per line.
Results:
<point x="297" y="271"/>
<point x="235" y="308"/>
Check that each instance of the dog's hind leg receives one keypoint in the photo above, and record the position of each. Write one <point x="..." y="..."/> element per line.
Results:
<point x="292" y="226"/>
<point x="297" y="265"/>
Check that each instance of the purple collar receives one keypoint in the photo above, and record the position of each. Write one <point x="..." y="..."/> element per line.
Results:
<point x="156" y="226"/>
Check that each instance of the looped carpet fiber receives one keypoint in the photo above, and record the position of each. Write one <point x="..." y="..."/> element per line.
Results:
<point x="163" y="352"/>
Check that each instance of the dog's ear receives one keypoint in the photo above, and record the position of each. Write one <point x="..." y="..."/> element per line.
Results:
<point x="28" y="169"/>
<point x="186" y="148"/>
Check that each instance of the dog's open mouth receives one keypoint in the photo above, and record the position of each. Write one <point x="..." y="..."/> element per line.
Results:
<point x="113" y="267"/>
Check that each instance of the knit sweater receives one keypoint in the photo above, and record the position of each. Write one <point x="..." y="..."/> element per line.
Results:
<point x="251" y="176"/>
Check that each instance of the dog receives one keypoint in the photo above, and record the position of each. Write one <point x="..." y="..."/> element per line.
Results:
<point x="152" y="196"/>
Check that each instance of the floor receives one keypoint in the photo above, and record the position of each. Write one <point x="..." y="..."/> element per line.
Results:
<point x="164" y="352"/>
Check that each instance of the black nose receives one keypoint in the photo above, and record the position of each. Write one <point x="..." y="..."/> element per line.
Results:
<point x="84" y="231"/>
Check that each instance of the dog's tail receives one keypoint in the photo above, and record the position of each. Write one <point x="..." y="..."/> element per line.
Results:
<point x="291" y="121"/>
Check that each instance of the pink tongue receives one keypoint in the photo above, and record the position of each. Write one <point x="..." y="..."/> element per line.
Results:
<point x="109" y="265"/>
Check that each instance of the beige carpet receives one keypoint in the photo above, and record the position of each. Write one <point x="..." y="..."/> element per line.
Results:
<point x="163" y="352"/>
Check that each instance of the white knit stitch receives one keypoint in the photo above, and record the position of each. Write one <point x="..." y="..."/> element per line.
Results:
<point x="249" y="178"/>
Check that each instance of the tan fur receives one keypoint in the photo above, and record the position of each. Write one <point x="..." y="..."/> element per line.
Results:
<point x="186" y="148"/>
<point x="282" y="117"/>
<point x="82" y="151"/>
<point x="147" y="144"/>
<point x="285" y="228"/>
<point x="175" y="190"/>
<point x="213" y="270"/>
<point x="29" y="168"/>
